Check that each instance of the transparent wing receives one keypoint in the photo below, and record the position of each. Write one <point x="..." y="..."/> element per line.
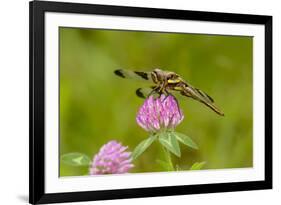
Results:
<point x="145" y="92"/>
<point x="136" y="75"/>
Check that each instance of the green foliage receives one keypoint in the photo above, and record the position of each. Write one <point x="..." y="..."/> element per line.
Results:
<point x="197" y="165"/>
<point x="76" y="159"/>
<point x="143" y="146"/>
<point x="170" y="142"/>
<point x="185" y="140"/>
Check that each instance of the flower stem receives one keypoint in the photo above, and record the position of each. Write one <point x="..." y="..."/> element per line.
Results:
<point x="168" y="159"/>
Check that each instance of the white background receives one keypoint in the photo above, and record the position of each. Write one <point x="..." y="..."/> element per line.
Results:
<point x="14" y="100"/>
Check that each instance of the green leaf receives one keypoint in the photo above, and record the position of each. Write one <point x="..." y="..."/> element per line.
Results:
<point x="142" y="146"/>
<point x="76" y="159"/>
<point x="169" y="141"/>
<point x="197" y="165"/>
<point x="186" y="140"/>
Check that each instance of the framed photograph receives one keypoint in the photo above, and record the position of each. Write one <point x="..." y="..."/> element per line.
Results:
<point x="140" y="102"/>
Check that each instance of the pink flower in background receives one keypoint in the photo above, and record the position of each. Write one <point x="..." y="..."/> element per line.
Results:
<point x="159" y="113"/>
<point x="111" y="159"/>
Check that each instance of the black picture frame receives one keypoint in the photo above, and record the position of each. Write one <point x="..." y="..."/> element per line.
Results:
<point x="37" y="9"/>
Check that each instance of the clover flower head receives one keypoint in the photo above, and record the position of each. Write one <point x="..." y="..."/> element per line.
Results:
<point x="159" y="113"/>
<point x="111" y="159"/>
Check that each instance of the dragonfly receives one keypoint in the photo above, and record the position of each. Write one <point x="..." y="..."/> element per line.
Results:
<point x="166" y="82"/>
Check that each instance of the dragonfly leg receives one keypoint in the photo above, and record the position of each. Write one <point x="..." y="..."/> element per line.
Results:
<point x="177" y="105"/>
<point x="162" y="89"/>
<point x="166" y="93"/>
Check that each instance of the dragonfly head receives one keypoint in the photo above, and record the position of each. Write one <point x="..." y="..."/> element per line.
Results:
<point x="159" y="75"/>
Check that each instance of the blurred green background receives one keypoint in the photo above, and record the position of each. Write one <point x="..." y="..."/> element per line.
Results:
<point x="96" y="106"/>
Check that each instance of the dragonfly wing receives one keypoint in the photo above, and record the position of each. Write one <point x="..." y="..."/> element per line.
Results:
<point x="202" y="97"/>
<point x="136" y="75"/>
<point x="145" y="92"/>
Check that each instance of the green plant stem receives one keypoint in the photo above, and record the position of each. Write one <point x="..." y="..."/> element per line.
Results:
<point x="168" y="158"/>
